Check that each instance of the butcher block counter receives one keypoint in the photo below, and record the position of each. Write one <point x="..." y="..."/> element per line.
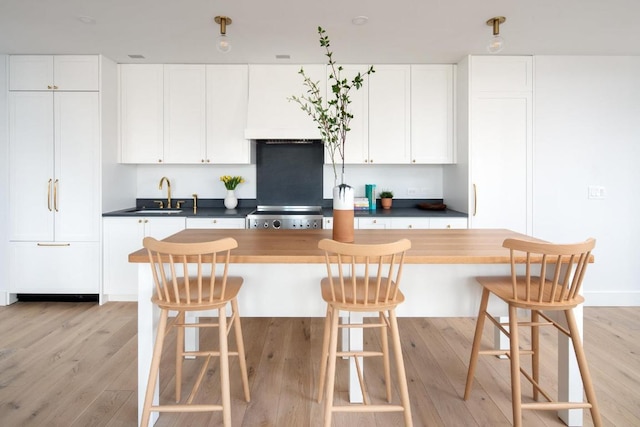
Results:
<point x="282" y="270"/>
<point x="301" y="246"/>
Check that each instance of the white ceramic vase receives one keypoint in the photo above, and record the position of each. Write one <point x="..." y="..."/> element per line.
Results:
<point x="231" y="201"/>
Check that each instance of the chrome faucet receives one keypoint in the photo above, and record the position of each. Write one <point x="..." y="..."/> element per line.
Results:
<point x="163" y="179"/>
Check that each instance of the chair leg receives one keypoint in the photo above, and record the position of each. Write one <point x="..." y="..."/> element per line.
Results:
<point x="514" y="356"/>
<point x="224" y="367"/>
<point x="385" y="354"/>
<point x="180" y="320"/>
<point x="331" y="368"/>
<point x="584" y="368"/>
<point x="402" y="376"/>
<point x="325" y="353"/>
<point x="477" y="339"/>
<point x="535" y="347"/>
<point x="155" y="367"/>
<point x="240" y="345"/>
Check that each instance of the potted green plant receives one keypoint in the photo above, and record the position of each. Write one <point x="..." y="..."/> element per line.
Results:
<point x="333" y="118"/>
<point x="386" y="199"/>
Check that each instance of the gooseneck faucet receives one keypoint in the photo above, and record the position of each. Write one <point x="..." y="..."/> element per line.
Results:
<point x="163" y="179"/>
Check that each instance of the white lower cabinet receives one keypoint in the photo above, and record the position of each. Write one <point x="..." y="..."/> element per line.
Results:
<point x="410" y="223"/>
<point x="400" y="223"/>
<point x="121" y="237"/>
<point x="374" y="223"/>
<point x="228" y="223"/>
<point x="440" y="223"/>
<point x="54" y="268"/>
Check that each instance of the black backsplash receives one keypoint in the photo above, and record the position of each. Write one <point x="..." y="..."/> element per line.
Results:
<point x="289" y="174"/>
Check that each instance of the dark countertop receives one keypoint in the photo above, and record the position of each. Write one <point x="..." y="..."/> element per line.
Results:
<point x="210" y="208"/>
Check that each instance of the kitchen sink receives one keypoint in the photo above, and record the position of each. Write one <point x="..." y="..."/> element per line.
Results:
<point x="155" y="211"/>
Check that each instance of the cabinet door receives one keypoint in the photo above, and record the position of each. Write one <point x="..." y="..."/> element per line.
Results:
<point x="447" y="223"/>
<point x="432" y="114"/>
<point x="389" y="115"/>
<point x="356" y="149"/>
<point x="57" y="72"/>
<point x="373" y="223"/>
<point x="227" y="95"/>
<point x="30" y="72"/>
<point x="270" y="113"/>
<point x="184" y="113"/>
<point x="31" y="174"/>
<point x="141" y="113"/>
<point x="121" y="236"/>
<point x="410" y="223"/>
<point x="499" y="141"/>
<point x="76" y="72"/>
<point x="53" y="268"/>
<point x="76" y="197"/>
<point x="228" y="223"/>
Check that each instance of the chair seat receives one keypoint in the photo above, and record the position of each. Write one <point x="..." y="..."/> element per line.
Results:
<point x="372" y="304"/>
<point x="502" y="287"/>
<point x="233" y="288"/>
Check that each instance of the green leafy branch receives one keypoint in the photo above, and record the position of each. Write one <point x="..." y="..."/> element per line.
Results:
<point x="334" y="117"/>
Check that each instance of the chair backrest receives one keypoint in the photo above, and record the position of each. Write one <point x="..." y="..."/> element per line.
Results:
<point x="189" y="273"/>
<point x="553" y="273"/>
<point x="364" y="274"/>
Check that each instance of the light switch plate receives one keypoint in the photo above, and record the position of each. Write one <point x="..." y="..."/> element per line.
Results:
<point x="596" y="192"/>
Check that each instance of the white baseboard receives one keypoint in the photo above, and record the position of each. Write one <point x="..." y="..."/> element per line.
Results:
<point x="114" y="297"/>
<point x="612" y="299"/>
<point x="7" y="298"/>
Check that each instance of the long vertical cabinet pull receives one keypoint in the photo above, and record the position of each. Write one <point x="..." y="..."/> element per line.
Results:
<point x="475" y="200"/>
<point x="49" y="195"/>
<point x="55" y="195"/>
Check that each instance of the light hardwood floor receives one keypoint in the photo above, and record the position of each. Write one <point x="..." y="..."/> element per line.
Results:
<point x="74" y="364"/>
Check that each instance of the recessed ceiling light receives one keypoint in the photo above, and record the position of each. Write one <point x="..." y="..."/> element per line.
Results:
<point x="360" y="20"/>
<point x="87" y="20"/>
<point x="136" y="56"/>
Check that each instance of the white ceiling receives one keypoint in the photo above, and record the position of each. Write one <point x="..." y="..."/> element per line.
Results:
<point x="402" y="31"/>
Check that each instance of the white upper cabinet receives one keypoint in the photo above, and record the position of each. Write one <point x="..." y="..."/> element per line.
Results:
<point x="54" y="72"/>
<point x="380" y="128"/>
<point x="502" y="74"/>
<point x="432" y="114"/>
<point x="227" y="95"/>
<point x="141" y="113"/>
<point x="184" y="113"/>
<point x="389" y="114"/>
<point x="270" y="114"/>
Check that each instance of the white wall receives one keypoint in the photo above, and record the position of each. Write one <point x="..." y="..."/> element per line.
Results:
<point x="205" y="180"/>
<point x="587" y="132"/>
<point x="4" y="180"/>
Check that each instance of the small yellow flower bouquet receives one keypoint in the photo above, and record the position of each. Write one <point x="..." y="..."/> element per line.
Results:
<point x="231" y="182"/>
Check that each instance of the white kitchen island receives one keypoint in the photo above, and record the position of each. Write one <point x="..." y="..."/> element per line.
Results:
<point x="282" y="270"/>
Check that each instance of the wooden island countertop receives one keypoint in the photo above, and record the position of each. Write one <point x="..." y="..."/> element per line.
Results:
<point x="477" y="246"/>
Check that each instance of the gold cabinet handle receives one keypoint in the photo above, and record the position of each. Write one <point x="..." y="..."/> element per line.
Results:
<point x="55" y="195"/>
<point x="49" y="195"/>
<point x="475" y="200"/>
<point x="54" y="244"/>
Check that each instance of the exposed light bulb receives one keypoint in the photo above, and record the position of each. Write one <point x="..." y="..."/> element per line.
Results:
<point x="223" y="43"/>
<point x="495" y="44"/>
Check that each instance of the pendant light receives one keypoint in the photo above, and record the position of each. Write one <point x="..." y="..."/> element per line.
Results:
<point x="223" y="42"/>
<point x="496" y="43"/>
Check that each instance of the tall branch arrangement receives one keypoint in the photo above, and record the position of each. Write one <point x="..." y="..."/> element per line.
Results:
<point x="334" y="116"/>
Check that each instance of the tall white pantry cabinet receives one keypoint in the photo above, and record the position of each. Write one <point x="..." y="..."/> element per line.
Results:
<point x="54" y="174"/>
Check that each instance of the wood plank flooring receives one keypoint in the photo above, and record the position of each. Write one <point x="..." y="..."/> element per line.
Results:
<point x="74" y="364"/>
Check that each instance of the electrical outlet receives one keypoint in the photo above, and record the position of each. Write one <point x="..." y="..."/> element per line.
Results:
<point x="596" y="192"/>
<point x="412" y="191"/>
